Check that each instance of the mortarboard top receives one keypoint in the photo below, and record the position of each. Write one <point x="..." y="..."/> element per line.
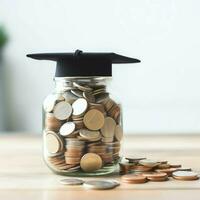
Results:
<point x="83" y="63"/>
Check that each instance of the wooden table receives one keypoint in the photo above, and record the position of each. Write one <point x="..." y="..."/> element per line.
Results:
<point x="24" y="176"/>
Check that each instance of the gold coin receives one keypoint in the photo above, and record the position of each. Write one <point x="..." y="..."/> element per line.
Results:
<point x="118" y="132"/>
<point x="108" y="128"/>
<point x="93" y="119"/>
<point x="52" y="143"/>
<point x="89" y="135"/>
<point x="91" y="162"/>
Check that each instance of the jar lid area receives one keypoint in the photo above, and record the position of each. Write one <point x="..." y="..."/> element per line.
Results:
<point x="84" y="63"/>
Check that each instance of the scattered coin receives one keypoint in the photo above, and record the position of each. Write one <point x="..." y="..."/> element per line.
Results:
<point x="134" y="179"/>
<point x="67" y="128"/>
<point x="71" y="181"/>
<point x="93" y="119"/>
<point x="62" y="110"/>
<point x="79" y="106"/>
<point x="100" y="184"/>
<point x="148" y="163"/>
<point x="185" y="175"/>
<point x="91" y="162"/>
<point x="134" y="160"/>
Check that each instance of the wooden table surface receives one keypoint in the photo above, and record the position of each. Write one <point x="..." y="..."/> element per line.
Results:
<point x="23" y="175"/>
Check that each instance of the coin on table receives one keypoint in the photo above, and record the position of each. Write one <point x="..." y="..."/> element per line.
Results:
<point x="149" y="163"/>
<point x="185" y="175"/>
<point x="133" y="178"/>
<point x="93" y="119"/>
<point x="89" y="135"/>
<point x="118" y="132"/>
<point x="90" y="162"/>
<point x="99" y="184"/>
<point x="164" y="166"/>
<point x="52" y="143"/>
<point x="71" y="181"/>
<point x="62" y="110"/>
<point x="169" y="171"/>
<point x="175" y="165"/>
<point x="79" y="106"/>
<point x="108" y="128"/>
<point x="134" y="160"/>
<point x="154" y="174"/>
<point x="67" y="128"/>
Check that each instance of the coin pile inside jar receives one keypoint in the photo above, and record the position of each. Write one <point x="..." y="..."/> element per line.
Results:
<point x="141" y="170"/>
<point x="82" y="128"/>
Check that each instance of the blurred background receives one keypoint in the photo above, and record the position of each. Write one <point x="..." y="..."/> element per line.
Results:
<point x="160" y="95"/>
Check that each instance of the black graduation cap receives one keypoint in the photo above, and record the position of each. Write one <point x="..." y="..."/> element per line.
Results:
<point x="83" y="63"/>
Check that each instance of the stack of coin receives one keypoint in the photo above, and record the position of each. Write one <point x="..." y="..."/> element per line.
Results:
<point x="155" y="170"/>
<point x="74" y="151"/>
<point x="83" y="119"/>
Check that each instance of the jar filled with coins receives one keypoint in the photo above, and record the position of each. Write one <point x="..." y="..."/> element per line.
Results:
<point x="82" y="122"/>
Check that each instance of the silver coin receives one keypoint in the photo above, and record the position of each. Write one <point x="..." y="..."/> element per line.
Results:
<point x="100" y="184"/>
<point x="77" y="93"/>
<point x="67" y="128"/>
<point x="82" y="87"/>
<point x="71" y="181"/>
<point x="79" y="106"/>
<point x="62" y="110"/>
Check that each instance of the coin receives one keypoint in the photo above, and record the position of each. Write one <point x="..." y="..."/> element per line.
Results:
<point x="185" y="175"/>
<point x="132" y="178"/>
<point x="50" y="101"/>
<point x="93" y="119"/>
<point x="82" y="87"/>
<point x="89" y="135"/>
<point x="77" y="93"/>
<point x="148" y="163"/>
<point x="101" y="97"/>
<point x="89" y="96"/>
<point x="154" y="174"/>
<point x="67" y="128"/>
<point x="175" y="165"/>
<point x="164" y="166"/>
<point x="91" y="162"/>
<point x="52" y="143"/>
<point x="169" y="171"/>
<point x="62" y="110"/>
<point x="118" y="132"/>
<point x="134" y="160"/>
<point x="100" y="184"/>
<point x="108" y="128"/>
<point x="79" y="106"/>
<point x="51" y="123"/>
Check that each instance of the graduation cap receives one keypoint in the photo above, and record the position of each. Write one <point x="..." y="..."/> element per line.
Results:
<point x="83" y="63"/>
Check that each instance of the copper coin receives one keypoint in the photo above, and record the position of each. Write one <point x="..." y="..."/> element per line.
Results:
<point x="93" y="119"/>
<point x="131" y="178"/>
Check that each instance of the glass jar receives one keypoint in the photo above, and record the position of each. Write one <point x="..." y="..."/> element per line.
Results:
<point x="82" y="127"/>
